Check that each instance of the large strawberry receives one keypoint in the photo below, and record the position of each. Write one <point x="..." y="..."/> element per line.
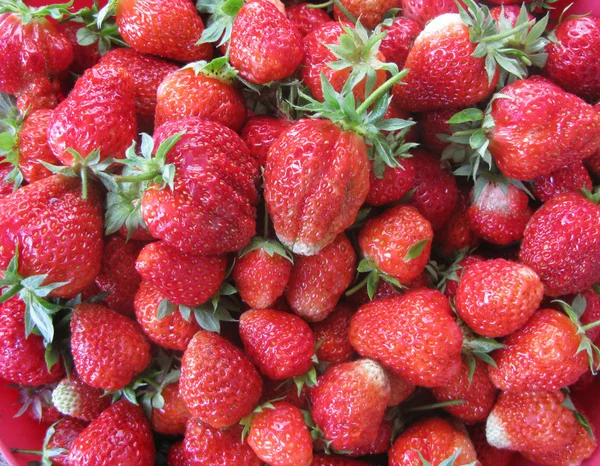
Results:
<point x="370" y="12"/>
<point x="74" y="398"/>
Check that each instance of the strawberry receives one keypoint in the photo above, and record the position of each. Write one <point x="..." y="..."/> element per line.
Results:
<point x="176" y="456"/>
<point x="401" y="35"/>
<point x="317" y="282"/>
<point x="118" y="275"/>
<point x="393" y="185"/>
<point x="280" y="344"/>
<point x="496" y="297"/>
<point x="121" y="435"/>
<point x="434" y="440"/>
<point x="566" y="129"/>
<point x="279" y="436"/>
<point x="422" y="11"/>
<point x="260" y="132"/>
<point x="349" y="401"/>
<point x="509" y="424"/>
<point x="456" y="271"/>
<point x="488" y="455"/>
<point x="204" y="445"/>
<point x="331" y="335"/>
<point x="571" y="178"/>
<point x="456" y="234"/>
<point x="433" y="123"/>
<point x="370" y="12"/>
<point x="219" y="385"/>
<point x="306" y="19"/>
<point x="73" y="397"/>
<point x="108" y="348"/>
<point x="172" y="416"/>
<point x="398" y="242"/>
<point x="265" y="46"/>
<point x="381" y="443"/>
<point x="592" y="163"/>
<point x="183" y="278"/>
<point x="147" y="73"/>
<point x="400" y="389"/>
<point x="413" y="335"/>
<point x="84" y="56"/>
<point x="22" y="358"/>
<point x="322" y="459"/>
<point x="62" y="435"/>
<point x="564" y="254"/>
<point x="508" y="12"/>
<point x="499" y="212"/>
<point x="573" y="57"/>
<point x="201" y="89"/>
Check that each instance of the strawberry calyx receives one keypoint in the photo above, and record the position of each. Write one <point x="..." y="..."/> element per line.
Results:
<point x="593" y="196"/>
<point x="318" y="436"/>
<point x="271" y="247"/>
<point x="441" y="274"/>
<point x="34" y="399"/>
<point x="450" y="461"/>
<point x="28" y="14"/>
<point x="45" y="453"/>
<point x="477" y="346"/>
<point x="309" y="379"/>
<point x="372" y="278"/>
<point x="579" y="416"/>
<point x="246" y="421"/>
<point x="217" y="68"/>
<point x="11" y="121"/>
<point x="407" y="412"/>
<point x="220" y="22"/>
<point x="123" y="208"/>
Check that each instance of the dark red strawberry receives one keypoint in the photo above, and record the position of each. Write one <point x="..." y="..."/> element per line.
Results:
<point x="369" y="12"/>
<point x="456" y="234"/>
<point x="84" y="56"/>
<point x="571" y="178"/>
<point x="176" y="456"/>
<point x="73" y="397"/>
<point x="434" y="123"/>
<point x="286" y="391"/>
<point x="401" y="35"/>
<point x="331" y="335"/>
<point x="306" y="19"/>
<point x="260" y="132"/>
<point x="172" y="416"/>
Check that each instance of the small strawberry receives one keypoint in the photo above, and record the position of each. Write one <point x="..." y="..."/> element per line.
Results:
<point x="331" y="335"/>
<point x="176" y="456"/>
<point x="120" y="435"/>
<point x="401" y="35"/>
<point x="169" y="414"/>
<point x="370" y="12"/>
<point x="305" y="18"/>
<point x="488" y="455"/>
<point x="219" y="385"/>
<point x="260" y="132"/>
<point x="75" y="398"/>
<point x="108" y="348"/>
<point x="61" y="436"/>
<point x="456" y="234"/>
<point x="422" y="11"/>
<point x="571" y="178"/>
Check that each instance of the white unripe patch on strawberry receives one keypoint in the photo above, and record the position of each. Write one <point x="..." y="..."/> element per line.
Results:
<point x="495" y="433"/>
<point x="302" y="248"/>
<point x="437" y="24"/>
<point x="374" y="372"/>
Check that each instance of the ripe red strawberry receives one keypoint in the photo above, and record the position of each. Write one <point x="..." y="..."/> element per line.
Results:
<point x="381" y="444"/>
<point x="541" y="355"/>
<point x="279" y="436"/>
<point x="280" y="344"/>
<point x="433" y="123"/>
<point x="331" y="335"/>
<point x="260" y="132"/>
<point x="434" y="440"/>
<point x="456" y="273"/>
<point x="571" y="178"/>
<point x="573" y="59"/>
<point x="57" y="233"/>
<point x="456" y="234"/>
<point x="171" y="331"/>
<point x="147" y="72"/>
<point x="395" y="183"/>
<point x="488" y="455"/>
<point x="369" y="12"/>
<point x="118" y="275"/>
<point x="168" y="29"/>
<point x="171" y="418"/>
<point x="73" y="397"/>
<point x="63" y="435"/>
<point x="509" y="424"/>
<point x="322" y="459"/>
<point x="208" y="446"/>
<point x="398" y="242"/>
<point x="413" y="335"/>
<point x="6" y="186"/>
<point x="401" y="35"/>
<point x="183" y="278"/>
<point x="306" y="19"/>
<point x="201" y="89"/>
<point x="349" y="401"/>
<point x="265" y="46"/>
<point x="218" y="384"/>
<point x="476" y="391"/>
<point x="317" y="282"/>
<point x="120" y="435"/>
<point x="592" y="163"/>
<point x="564" y="254"/>
<point x="422" y="11"/>
<point x="566" y="129"/>
<point x="176" y="456"/>
<point x="496" y="297"/>
<point x="22" y="359"/>
<point x="108" y="348"/>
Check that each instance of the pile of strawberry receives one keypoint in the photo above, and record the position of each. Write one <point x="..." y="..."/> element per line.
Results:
<point x="237" y="233"/>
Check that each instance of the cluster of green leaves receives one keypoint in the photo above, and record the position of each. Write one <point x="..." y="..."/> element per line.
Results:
<point x="10" y="125"/>
<point x="218" y="68"/>
<point x="55" y="11"/>
<point x="219" y="24"/>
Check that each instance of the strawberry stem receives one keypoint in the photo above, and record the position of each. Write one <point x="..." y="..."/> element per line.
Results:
<point x="501" y="36"/>
<point x="84" y="183"/>
<point x="27" y="452"/>
<point x="320" y="5"/>
<point x="380" y="91"/>
<point x="587" y="327"/>
<point x="358" y="286"/>
<point x="135" y="178"/>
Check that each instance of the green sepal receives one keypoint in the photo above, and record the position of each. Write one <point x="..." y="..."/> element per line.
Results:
<point x="11" y="121"/>
<point x="309" y="379"/>
<point x="123" y="208"/>
<point x="54" y="11"/>
<point x="450" y="461"/>
<point x="581" y="419"/>
<point x="415" y="250"/>
<point x="593" y="196"/>
<point x="371" y="280"/>
<point x="220" y="22"/>
<point x="218" y="68"/>
<point x="271" y="247"/>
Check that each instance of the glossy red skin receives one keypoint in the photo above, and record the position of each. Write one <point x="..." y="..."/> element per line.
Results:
<point x="436" y="439"/>
<point x="570" y="263"/>
<point x="280" y="344"/>
<point x="381" y="444"/>
<point x="413" y="335"/>
<point x="499" y="218"/>
<point x="173" y="416"/>
<point x="385" y="240"/>
<point x="306" y="19"/>
<point x="541" y="355"/>
<point x="172" y="331"/>
<point x="322" y="459"/>
<point x="541" y="128"/>
<point x="183" y="278"/>
<point x="488" y="455"/>
<point x="456" y="234"/>
<point x="478" y="395"/>
<point x="531" y="420"/>
<point x="176" y="456"/>
<point x="435" y="190"/>
<point x="118" y="275"/>
<point x="218" y="384"/>
<point x="432" y="123"/>
<point x="22" y="360"/>
<point x="108" y="349"/>
<point x="99" y="113"/>
<point x="451" y="284"/>
<point x="84" y="56"/>
<point x="74" y="398"/>
<point x="370" y="12"/>
<point x="496" y="297"/>
<point x="168" y="29"/>
<point x="260" y="278"/>
<point x="428" y="86"/>
<point x="57" y="232"/>
<point x="147" y="72"/>
<point x="264" y="46"/>
<point x="185" y="93"/>
<point x="399" y="40"/>
<point x="316" y="180"/>
<point x="422" y="11"/>
<point x="279" y="436"/>
<point x="65" y="433"/>
<point x="316" y="59"/>
<point x="40" y="92"/>
<point x="32" y="144"/>
<point x="394" y="184"/>
<point x="400" y="389"/>
<point x="120" y="435"/>
<point x="208" y="446"/>
<point x="571" y="178"/>
<point x="574" y="62"/>
<point x="260" y="132"/>
<point x="317" y="282"/>
<point x="349" y="401"/>
<point x="212" y="208"/>
<point x="331" y="335"/>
